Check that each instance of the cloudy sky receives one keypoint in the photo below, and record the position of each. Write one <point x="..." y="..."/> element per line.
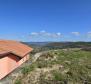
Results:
<point x="45" y="20"/>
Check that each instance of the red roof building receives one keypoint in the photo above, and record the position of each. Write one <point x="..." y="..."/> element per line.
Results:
<point x="12" y="55"/>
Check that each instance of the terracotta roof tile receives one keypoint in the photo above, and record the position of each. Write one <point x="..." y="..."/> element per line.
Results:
<point x="2" y="52"/>
<point x="14" y="47"/>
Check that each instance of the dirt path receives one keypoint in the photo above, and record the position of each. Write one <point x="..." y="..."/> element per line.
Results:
<point x="37" y="55"/>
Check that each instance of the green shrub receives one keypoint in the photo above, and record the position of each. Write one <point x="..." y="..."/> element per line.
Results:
<point x="18" y="81"/>
<point x="25" y="70"/>
<point x="42" y="64"/>
<point x="57" y="76"/>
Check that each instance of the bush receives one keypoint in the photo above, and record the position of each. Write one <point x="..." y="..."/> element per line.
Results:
<point x="18" y="81"/>
<point x="57" y="76"/>
<point x="25" y="70"/>
<point x="42" y="64"/>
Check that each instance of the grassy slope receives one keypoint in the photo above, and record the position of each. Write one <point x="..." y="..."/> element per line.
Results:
<point x="69" y="66"/>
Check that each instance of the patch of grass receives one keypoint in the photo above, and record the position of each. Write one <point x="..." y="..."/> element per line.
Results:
<point x="57" y="76"/>
<point x="42" y="64"/>
<point x="26" y="69"/>
<point x="17" y="81"/>
<point x="76" y="66"/>
<point x="77" y="62"/>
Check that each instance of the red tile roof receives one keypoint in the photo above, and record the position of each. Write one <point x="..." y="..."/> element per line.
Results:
<point x="14" y="47"/>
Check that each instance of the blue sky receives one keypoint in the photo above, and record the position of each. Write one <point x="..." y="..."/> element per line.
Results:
<point x="45" y="20"/>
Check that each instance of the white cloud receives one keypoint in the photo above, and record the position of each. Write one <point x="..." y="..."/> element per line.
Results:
<point x="59" y="34"/>
<point x="75" y="33"/>
<point x="43" y="31"/>
<point x="56" y="35"/>
<point x="46" y="34"/>
<point x="34" y="33"/>
<point x="89" y="34"/>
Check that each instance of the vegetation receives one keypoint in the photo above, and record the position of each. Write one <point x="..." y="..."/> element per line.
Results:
<point x="45" y="46"/>
<point x="61" y="63"/>
<point x="26" y="69"/>
<point x="75" y="63"/>
<point x="17" y="81"/>
<point x="65" y="66"/>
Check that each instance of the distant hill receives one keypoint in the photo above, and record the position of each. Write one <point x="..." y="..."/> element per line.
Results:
<point x="68" y="44"/>
<point x="59" y="45"/>
<point x="37" y="43"/>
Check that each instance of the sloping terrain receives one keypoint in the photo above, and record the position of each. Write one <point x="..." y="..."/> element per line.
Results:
<point x="55" y="63"/>
<point x="62" y="66"/>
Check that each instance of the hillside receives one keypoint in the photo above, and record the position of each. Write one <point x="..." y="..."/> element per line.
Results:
<point x="66" y="65"/>
<point x="45" y="46"/>
<point x="63" y="66"/>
